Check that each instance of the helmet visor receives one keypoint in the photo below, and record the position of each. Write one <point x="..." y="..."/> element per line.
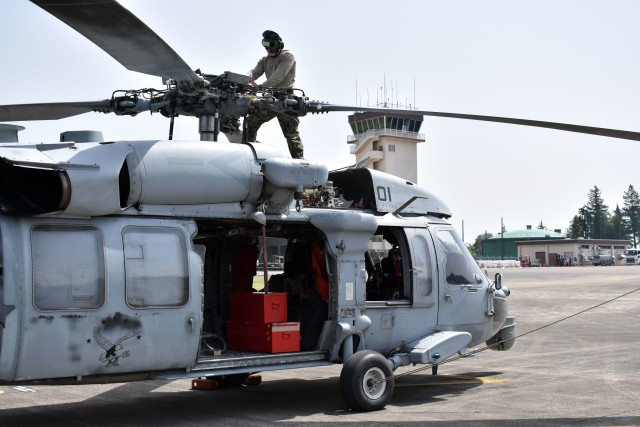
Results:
<point x="270" y="43"/>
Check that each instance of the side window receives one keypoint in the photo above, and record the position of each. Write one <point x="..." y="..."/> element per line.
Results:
<point x="387" y="262"/>
<point x="422" y="266"/>
<point x="156" y="267"/>
<point x="68" y="267"/>
<point x="459" y="266"/>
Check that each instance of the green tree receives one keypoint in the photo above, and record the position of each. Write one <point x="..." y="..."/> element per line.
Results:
<point x="586" y="218"/>
<point x="631" y="211"/>
<point x="576" y="228"/>
<point x="617" y="225"/>
<point x="476" y="247"/>
<point x="598" y="214"/>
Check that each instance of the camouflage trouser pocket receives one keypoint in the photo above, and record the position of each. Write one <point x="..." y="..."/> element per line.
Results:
<point x="289" y="126"/>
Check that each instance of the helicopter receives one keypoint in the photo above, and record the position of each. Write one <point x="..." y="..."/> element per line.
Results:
<point x="129" y="260"/>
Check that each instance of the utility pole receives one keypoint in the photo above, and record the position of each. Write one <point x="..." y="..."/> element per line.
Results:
<point x="501" y="239"/>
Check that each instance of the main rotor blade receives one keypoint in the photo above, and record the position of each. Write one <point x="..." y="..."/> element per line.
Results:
<point x="122" y="35"/>
<point x="613" y="133"/>
<point x="51" y="111"/>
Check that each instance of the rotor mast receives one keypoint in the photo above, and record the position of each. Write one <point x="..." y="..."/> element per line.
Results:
<point x="209" y="126"/>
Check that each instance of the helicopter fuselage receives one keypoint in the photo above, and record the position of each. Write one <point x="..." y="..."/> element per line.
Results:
<point x="125" y="258"/>
<point x="141" y="259"/>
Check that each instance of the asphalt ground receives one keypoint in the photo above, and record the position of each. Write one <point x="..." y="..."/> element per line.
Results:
<point x="583" y="371"/>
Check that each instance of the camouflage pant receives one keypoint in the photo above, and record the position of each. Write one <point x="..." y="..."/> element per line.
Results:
<point x="288" y="124"/>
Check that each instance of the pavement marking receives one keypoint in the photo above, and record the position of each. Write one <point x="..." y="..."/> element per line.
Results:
<point x="24" y="389"/>
<point x="457" y="380"/>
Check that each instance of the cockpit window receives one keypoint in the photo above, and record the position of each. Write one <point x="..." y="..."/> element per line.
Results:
<point x="459" y="266"/>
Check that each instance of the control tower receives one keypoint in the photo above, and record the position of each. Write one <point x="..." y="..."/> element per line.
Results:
<point x="387" y="142"/>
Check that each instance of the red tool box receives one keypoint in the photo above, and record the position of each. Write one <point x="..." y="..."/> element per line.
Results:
<point x="277" y="337"/>
<point x="259" y="307"/>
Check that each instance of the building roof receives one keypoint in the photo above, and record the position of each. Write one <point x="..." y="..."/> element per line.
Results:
<point x="579" y="241"/>
<point x="530" y="233"/>
<point x="407" y="114"/>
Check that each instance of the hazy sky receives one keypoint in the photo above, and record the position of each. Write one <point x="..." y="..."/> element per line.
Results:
<point x="565" y="61"/>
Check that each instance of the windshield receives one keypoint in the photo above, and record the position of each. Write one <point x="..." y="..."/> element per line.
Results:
<point x="460" y="267"/>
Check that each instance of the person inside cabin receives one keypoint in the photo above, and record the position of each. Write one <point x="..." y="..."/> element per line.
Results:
<point x="305" y="303"/>
<point x="392" y="273"/>
<point x="277" y="283"/>
<point x="307" y="308"/>
<point x="385" y="282"/>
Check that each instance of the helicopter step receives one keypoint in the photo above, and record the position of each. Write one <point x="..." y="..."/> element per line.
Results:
<point x="234" y="362"/>
<point x="432" y="349"/>
<point x="439" y="346"/>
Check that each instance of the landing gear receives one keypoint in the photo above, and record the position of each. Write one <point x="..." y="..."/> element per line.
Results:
<point x="366" y="381"/>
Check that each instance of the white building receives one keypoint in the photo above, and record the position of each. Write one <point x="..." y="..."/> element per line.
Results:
<point x="580" y="251"/>
<point x="387" y="142"/>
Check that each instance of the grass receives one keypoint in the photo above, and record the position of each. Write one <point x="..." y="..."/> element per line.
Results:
<point x="258" y="282"/>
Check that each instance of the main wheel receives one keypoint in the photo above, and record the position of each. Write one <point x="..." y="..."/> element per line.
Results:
<point x="366" y="381"/>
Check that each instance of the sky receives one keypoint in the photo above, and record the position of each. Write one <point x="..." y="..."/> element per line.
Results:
<point x="569" y="61"/>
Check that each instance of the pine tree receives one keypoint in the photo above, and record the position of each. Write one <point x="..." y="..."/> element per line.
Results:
<point x="631" y="211"/>
<point x="576" y="228"/>
<point x="617" y="225"/>
<point x="586" y="218"/>
<point x="598" y="214"/>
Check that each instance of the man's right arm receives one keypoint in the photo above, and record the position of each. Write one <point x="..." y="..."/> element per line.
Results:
<point x="257" y="71"/>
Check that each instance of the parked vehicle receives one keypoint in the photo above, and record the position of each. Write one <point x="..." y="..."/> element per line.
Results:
<point x="631" y="256"/>
<point x="603" y="260"/>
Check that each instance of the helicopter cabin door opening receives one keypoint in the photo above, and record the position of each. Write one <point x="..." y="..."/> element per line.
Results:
<point x="296" y="297"/>
<point x="400" y="266"/>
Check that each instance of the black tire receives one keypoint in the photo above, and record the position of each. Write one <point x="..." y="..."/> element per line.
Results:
<point x="366" y="381"/>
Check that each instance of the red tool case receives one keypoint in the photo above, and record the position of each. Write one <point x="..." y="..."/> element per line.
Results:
<point x="276" y="337"/>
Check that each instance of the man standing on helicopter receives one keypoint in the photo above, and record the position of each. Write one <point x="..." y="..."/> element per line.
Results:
<point x="279" y="67"/>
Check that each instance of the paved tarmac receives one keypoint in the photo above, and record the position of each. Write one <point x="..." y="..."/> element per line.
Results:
<point x="583" y="371"/>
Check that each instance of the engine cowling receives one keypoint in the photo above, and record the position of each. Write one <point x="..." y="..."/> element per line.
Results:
<point x="93" y="179"/>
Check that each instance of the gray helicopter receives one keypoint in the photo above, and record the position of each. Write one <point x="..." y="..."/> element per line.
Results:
<point x="129" y="260"/>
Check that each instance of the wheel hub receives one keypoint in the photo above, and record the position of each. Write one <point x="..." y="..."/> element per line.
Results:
<point x="374" y="383"/>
